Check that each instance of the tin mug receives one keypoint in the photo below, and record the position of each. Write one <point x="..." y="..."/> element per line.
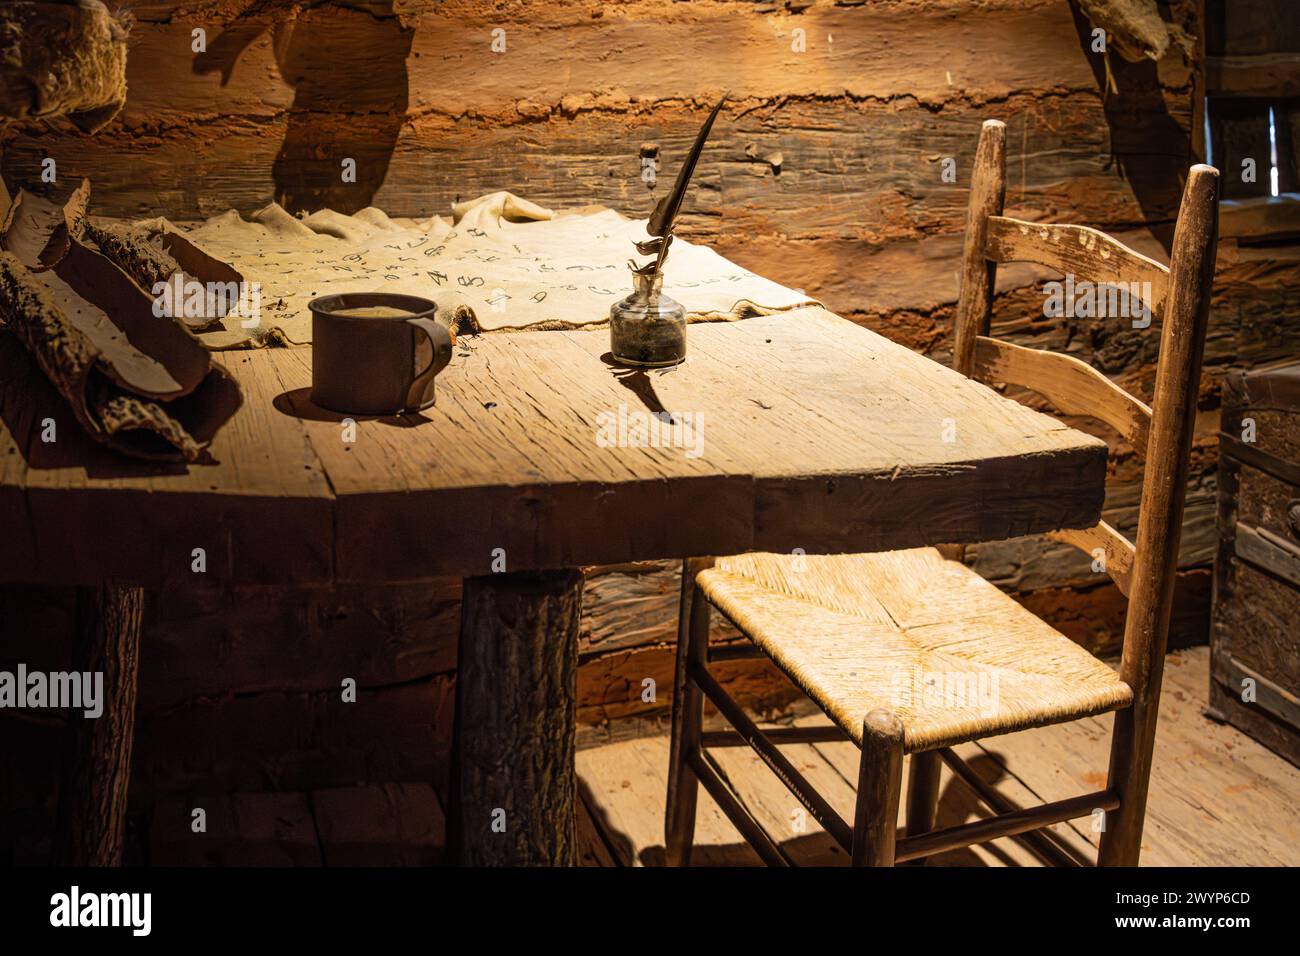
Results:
<point x="376" y="353"/>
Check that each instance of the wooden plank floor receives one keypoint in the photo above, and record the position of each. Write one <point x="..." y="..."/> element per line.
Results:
<point x="1217" y="797"/>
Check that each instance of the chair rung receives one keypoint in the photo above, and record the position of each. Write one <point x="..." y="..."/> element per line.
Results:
<point x="830" y="734"/>
<point x="981" y="831"/>
<point x="747" y="651"/>
<point x="1037" y="841"/>
<point x="707" y="772"/>
<point x="794" y="781"/>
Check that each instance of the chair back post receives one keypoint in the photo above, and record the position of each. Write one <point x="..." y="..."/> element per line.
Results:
<point x="1160" y="516"/>
<point x="988" y="190"/>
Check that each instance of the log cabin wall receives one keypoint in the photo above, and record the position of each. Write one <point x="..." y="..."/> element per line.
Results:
<point x="826" y="173"/>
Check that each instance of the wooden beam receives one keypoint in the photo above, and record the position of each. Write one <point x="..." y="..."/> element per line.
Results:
<point x="1267" y="550"/>
<point x="1254" y="75"/>
<point x="1270" y="696"/>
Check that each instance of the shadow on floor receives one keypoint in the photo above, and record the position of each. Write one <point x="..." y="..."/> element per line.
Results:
<point x="957" y="805"/>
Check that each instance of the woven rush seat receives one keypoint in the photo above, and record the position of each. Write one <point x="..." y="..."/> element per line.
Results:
<point x="913" y="633"/>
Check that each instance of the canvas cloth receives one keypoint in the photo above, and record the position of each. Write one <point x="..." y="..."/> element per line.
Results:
<point x="501" y="262"/>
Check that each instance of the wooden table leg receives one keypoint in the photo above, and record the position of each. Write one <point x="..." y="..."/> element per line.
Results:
<point x="91" y="820"/>
<point x="513" y="775"/>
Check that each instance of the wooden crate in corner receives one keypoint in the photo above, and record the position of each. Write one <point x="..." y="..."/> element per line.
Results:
<point x="1255" y="638"/>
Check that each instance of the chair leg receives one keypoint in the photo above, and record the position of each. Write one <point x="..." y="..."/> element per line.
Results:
<point x="922" y="792"/>
<point x="880" y="779"/>
<point x="688" y="716"/>
<point x="1130" y="771"/>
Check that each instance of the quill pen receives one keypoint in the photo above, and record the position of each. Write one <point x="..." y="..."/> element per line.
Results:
<point x="664" y="217"/>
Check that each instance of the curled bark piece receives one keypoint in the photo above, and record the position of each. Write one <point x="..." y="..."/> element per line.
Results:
<point x="65" y="355"/>
<point x="133" y="253"/>
<point x="62" y="59"/>
<point x="193" y="260"/>
<point x="1133" y="27"/>
<point x="117" y="356"/>
<point x="34" y="306"/>
<point x="36" y="229"/>
<point x="131" y="419"/>
<point x="136" y="380"/>
<point x="153" y="257"/>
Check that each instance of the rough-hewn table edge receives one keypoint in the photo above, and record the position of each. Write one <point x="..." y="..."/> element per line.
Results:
<point x="348" y="555"/>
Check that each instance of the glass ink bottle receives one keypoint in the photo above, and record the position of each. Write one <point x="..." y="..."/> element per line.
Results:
<point x="647" y="328"/>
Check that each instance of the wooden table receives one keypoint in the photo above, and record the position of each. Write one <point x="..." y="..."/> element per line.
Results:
<point x="816" y="434"/>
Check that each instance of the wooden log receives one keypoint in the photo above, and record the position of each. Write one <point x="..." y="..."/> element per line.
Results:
<point x="296" y="740"/>
<point x="896" y="77"/>
<point x="514" y="779"/>
<point x="97" y="756"/>
<point x="390" y="824"/>
<point x="247" y="829"/>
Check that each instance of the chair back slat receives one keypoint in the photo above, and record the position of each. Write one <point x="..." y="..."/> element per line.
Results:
<point x="1117" y="550"/>
<point x="1085" y="253"/>
<point x="1072" y="386"/>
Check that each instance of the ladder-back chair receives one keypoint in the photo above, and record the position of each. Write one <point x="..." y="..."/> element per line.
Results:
<point x="857" y="632"/>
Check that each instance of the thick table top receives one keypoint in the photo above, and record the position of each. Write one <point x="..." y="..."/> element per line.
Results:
<point x="797" y="430"/>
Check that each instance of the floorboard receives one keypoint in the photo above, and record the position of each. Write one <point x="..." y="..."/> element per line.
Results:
<point x="1217" y="797"/>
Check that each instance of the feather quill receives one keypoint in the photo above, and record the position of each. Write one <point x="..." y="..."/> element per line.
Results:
<point x="664" y="217"/>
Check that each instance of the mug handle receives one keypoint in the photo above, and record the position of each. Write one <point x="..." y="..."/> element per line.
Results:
<point x="441" y="339"/>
